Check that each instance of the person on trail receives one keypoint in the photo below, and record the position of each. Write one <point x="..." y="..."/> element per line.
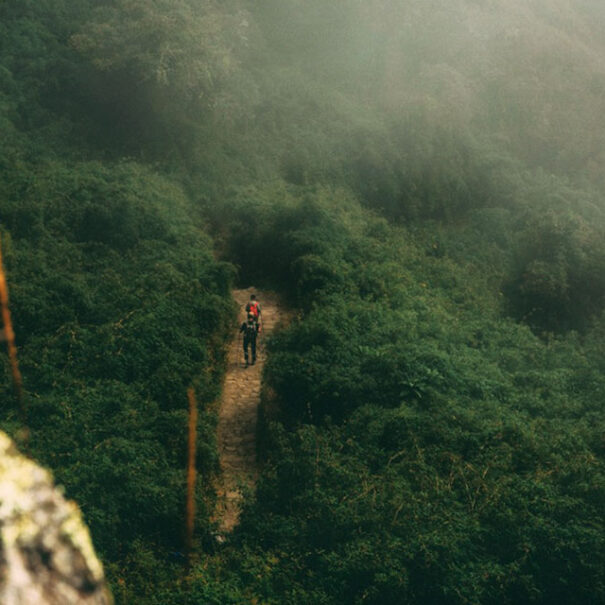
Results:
<point x="250" y="328"/>
<point x="253" y="307"/>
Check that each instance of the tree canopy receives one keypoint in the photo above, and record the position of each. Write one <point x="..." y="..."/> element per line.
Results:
<point x="422" y="182"/>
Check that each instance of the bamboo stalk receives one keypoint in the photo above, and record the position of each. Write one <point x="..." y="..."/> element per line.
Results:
<point x="9" y="334"/>
<point x="191" y="471"/>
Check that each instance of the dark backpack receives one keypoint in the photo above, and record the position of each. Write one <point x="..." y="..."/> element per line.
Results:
<point x="250" y="330"/>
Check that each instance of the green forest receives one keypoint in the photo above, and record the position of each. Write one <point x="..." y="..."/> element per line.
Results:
<point x="423" y="182"/>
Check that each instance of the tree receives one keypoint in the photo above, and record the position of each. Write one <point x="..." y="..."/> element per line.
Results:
<point x="159" y="67"/>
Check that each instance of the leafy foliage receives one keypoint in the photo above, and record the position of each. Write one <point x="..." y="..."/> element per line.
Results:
<point x="422" y="181"/>
<point x="119" y="306"/>
<point x="419" y="446"/>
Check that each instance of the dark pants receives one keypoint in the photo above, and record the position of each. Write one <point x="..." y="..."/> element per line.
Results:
<point x="250" y="340"/>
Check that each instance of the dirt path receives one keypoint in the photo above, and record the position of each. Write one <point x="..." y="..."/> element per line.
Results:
<point x="238" y="413"/>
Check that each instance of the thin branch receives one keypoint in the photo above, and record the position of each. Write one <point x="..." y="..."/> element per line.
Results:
<point x="9" y="334"/>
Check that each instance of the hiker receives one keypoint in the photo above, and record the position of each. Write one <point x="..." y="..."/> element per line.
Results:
<point x="250" y="328"/>
<point x="253" y="307"/>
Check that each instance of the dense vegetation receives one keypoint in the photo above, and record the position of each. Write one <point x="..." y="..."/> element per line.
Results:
<point x="422" y="182"/>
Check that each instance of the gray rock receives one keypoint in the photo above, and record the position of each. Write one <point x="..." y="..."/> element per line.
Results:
<point x="46" y="555"/>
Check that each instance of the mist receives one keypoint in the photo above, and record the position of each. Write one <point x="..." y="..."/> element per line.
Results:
<point x="416" y="188"/>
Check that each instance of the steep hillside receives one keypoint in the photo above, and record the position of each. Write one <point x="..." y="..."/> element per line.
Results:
<point x="422" y="182"/>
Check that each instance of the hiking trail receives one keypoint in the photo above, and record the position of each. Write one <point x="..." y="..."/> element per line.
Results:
<point x="238" y="413"/>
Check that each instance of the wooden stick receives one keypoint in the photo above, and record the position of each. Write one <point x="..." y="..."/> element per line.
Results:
<point x="191" y="471"/>
<point x="9" y="334"/>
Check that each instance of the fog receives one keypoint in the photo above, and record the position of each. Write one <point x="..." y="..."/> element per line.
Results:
<point x="420" y="184"/>
<point x="530" y="74"/>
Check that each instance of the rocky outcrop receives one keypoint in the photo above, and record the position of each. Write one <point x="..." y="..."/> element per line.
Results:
<point x="46" y="555"/>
